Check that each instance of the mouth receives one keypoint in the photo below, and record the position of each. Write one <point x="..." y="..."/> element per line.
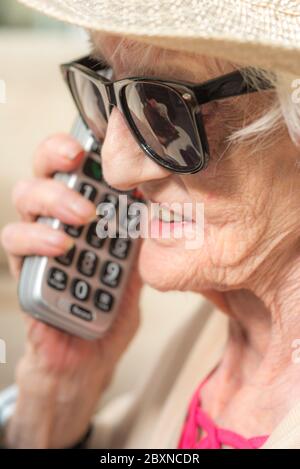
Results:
<point x="173" y="223"/>
<point x="167" y="215"/>
<point x="169" y="226"/>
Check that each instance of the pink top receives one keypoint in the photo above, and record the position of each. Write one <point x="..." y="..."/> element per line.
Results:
<point x="213" y="437"/>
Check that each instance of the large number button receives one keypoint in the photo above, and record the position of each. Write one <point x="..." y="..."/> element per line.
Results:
<point x="74" y="231"/>
<point x="57" y="279"/>
<point x="81" y="312"/>
<point x="92" y="237"/>
<point x="80" y="289"/>
<point x="103" y="300"/>
<point x="92" y="169"/>
<point x="119" y="247"/>
<point x="111" y="274"/>
<point x="87" y="263"/>
<point x="88" y="191"/>
<point x="66" y="259"/>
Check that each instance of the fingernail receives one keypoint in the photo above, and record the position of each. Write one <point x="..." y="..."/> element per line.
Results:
<point x="58" y="238"/>
<point x="83" y="209"/>
<point x="71" y="149"/>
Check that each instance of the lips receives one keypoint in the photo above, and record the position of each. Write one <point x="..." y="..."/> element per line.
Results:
<point x="169" y="216"/>
<point x="166" y="215"/>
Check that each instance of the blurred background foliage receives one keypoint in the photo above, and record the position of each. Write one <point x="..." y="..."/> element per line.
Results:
<point x="15" y="15"/>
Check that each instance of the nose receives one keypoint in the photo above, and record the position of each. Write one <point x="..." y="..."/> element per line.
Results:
<point x="124" y="163"/>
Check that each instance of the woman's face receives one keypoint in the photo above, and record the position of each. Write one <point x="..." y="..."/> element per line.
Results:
<point x="244" y="190"/>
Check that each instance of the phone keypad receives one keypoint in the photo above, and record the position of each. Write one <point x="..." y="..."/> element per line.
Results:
<point x="74" y="231"/>
<point x="92" y="238"/>
<point x="88" y="191"/>
<point x="81" y="312"/>
<point x="119" y="247"/>
<point x="67" y="258"/>
<point x="93" y="269"/>
<point x="80" y="289"/>
<point x="103" y="300"/>
<point x="111" y="274"/>
<point x="57" y="279"/>
<point x="87" y="263"/>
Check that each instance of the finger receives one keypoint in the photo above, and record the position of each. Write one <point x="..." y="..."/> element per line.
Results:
<point x="26" y="239"/>
<point x="52" y="198"/>
<point x="60" y="152"/>
<point x="15" y="265"/>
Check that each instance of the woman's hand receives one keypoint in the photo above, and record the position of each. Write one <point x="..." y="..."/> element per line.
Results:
<point x="60" y="377"/>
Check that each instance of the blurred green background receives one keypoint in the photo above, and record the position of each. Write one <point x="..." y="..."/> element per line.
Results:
<point x="13" y="14"/>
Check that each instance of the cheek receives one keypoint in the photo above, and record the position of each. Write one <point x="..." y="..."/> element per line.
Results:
<point x="232" y="245"/>
<point x="166" y="269"/>
<point x="229" y="255"/>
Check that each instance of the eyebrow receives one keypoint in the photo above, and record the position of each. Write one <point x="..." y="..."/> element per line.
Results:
<point x="137" y="69"/>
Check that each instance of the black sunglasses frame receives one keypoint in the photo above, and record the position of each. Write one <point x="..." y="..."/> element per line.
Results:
<point x="192" y="95"/>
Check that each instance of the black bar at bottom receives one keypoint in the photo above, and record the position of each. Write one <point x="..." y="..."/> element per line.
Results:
<point x="135" y="458"/>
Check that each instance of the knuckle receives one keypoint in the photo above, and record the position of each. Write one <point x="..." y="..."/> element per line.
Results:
<point x="42" y="146"/>
<point x="57" y="153"/>
<point x="20" y="189"/>
<point x="51" y="194"/>
<point x="60" y="191"/>
<point x="48" y="145"/>
<point x="7" y="235"/>
<point x="48" y="142"/>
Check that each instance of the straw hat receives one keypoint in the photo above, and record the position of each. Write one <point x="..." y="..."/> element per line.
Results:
<point x="265" y="33"/>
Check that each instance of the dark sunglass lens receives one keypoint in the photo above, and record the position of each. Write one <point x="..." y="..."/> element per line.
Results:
<point x="90" y="103"/>
<point x="162" y="119"/>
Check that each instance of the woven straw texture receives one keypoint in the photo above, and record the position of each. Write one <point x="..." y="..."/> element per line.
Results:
<point x="255" y="32"/>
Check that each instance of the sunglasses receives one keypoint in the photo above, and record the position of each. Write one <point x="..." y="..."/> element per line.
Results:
<point x="164" y="117"/>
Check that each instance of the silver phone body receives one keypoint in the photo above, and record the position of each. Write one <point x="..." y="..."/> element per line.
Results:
<point x="53" y="306"/>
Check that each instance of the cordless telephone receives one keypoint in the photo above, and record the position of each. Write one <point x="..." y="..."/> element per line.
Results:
<point x="80" y="291"/>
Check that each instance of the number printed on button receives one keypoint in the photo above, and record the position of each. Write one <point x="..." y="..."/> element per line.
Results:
<point x="111" y="274"/>
<point x="88" y="191"/>
<point x="87" y="263"/>
<point x="119" y="247"/>
<point x="80" y="289"/>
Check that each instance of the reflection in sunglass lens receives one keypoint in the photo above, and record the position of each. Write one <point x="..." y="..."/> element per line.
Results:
<point x="164" y="123"/>
<point x="90" y="102"/>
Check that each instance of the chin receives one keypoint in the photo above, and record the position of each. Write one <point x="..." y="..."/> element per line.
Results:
<point x="166" y="267"/>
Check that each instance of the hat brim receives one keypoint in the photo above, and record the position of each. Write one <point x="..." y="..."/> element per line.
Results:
<point x="215" y="28"/>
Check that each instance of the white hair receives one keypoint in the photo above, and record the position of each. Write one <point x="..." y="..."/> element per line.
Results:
<point x="284" y="110"/>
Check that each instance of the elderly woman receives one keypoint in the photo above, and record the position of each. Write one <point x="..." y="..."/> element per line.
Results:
<point x="231" y="379"/>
